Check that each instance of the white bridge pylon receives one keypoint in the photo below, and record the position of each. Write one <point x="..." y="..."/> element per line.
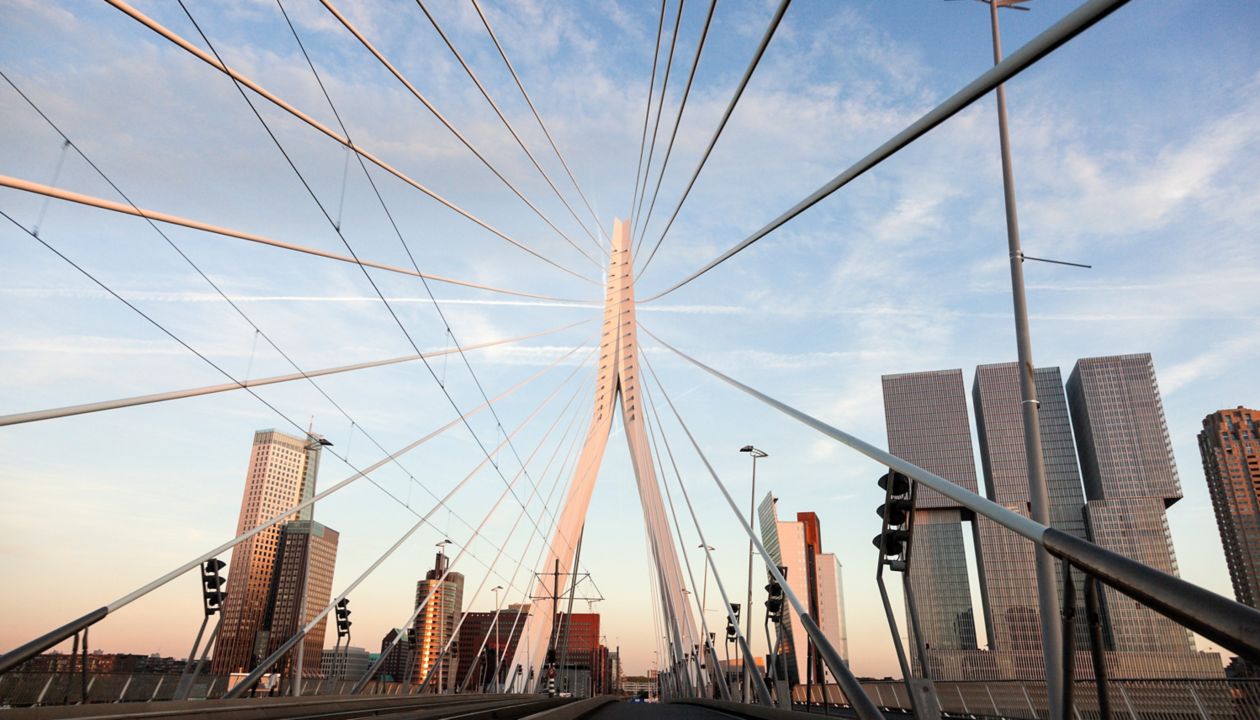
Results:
<point x="618" y="378"/>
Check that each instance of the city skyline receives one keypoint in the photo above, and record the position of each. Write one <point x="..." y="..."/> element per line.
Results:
<point x="1143" y="173"/>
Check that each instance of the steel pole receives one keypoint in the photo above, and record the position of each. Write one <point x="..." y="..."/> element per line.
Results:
<point x="1047" y="598"/>
<point x="752" y="502"/>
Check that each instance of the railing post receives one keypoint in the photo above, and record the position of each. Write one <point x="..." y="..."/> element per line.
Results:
<point x="1069" y="647"/>
<point x="1202" y="712"/>
<point x="1031" y="708"/>
<point x="1124" y="695"/>
<point x="1093" y="616"/>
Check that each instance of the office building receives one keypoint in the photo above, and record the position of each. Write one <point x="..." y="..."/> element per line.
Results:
<point x="484" y="638"/>
<point x="441" y="593"/>
<point x="282" y="472"/>
<point x="582" y="664"/>
<point x="344" y="664"/>
<point x="814" y="577"/>
<point x="399" y="664"/>
<point x="1007" y="564"/>
<point x="1130" y="479"/>
<point x="1230" y="447"/>
<point x="301" y="586"/>
<point x="926" y="417"/>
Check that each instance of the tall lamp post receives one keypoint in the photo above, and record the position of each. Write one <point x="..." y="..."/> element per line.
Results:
<point x="1047" y="596"/>
<point x="704" y="593"/>
<point x="752" y="505"/>
<point x="498" y="611"/>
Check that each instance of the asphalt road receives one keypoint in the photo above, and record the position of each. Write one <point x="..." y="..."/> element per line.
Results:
<point x="656" y="711"/>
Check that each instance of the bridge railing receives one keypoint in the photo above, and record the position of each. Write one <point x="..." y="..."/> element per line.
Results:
<point x="25" y="689"/>
<point x="1172" y="699"/>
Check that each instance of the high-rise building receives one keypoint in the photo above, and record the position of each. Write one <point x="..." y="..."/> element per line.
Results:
<point x="399" y="662"/>
<point x="1130" y="479"/>
<point x="441" y="592"/>
<point x="814" y="577"/>
<point x="1007" y="564"/>
<point x="301" y="586"/>
<point x="581" y="659"/>
<point x="483" y="641"/>
<point x="1230" y="447"/>
<point x="831" y="604"/>
<point x="926" y="417"/>
<point x="282" y="471"/>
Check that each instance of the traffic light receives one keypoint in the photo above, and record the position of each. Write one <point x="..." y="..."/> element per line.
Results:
<point x="774" y="601"/>
<point x="343" y="618"/>
<point x="897" y="512"/>
<point x="212" y="583"/>
<point x="732" y="634"/>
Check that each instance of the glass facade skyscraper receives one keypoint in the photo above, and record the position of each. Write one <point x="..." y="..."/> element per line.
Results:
<point x="281" y="474"/>
<point x="926" y="417"/>
<point x="1007" y="565"/>
<point x="301" y="586"/>
<point x="1130" y="478"/>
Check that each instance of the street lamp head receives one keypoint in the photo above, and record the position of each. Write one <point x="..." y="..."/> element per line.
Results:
<point x="754" y="451"/>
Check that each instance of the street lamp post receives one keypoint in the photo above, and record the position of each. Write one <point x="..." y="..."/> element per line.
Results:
<point x="752" y="504"/>
<point x="497" y="612"/>
<point x="704" y="592"/>
<point x="1039" y="499"/>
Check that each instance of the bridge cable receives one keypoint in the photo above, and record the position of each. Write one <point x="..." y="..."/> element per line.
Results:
<point x="1073" y="24"/>
<point x="447" y="124"/>
<point x="515" y="136"/>
<point x="656" y="126"/>
<point x="521" y="86"/>
<point x="257" y="330"/>
<point x="673" y="135"/>
<point x="502" y="545"/>
<point x="711" y="655"/>
<point x="386" y="651"/>
<point x="135" y="400"/>
<point x="726" y="115"/>
<point x="167" y="218"/>
<point x="42" y="643"/>
<point x="406" y="247"/>
<point x="258" y="671"/>
<point x="762" y="691"/>
<point x="681" y="669"/>
<point x="647" y="111"/>
<point x="571" y="457"/>
<point x="214" y="62"/>
<point x="393" y="314"/>
<point x="670" y="612"/>
<point x="529" y="541"/>
<point x="860" y="701"/>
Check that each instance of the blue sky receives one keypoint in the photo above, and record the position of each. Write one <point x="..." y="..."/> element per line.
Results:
<point x="1135" y="150"/>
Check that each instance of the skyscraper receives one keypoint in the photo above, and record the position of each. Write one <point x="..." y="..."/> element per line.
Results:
<point x="1130" y="478"/>
<point x="301" y="586"/>
<point x="1230" y="447"/>
<point x="926" y="417"/>
<point x="435" y="625"/>
<point x="814" y="577"/>
<point x="1007" y="564"/>
<point x="282" y="471"/>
